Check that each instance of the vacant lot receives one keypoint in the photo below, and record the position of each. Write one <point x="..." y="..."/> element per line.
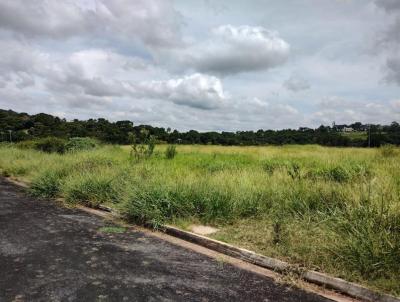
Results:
<point x="330" y="209"/>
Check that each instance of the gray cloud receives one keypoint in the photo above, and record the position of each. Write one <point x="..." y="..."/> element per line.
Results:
<point x="154" y="22"/>
<point x="388" y="5"/>
<point x="25" y="80"/>
<point x="296" y="84"/>
<point x="389" y="40"/>
<point x="393" y="69"/>
<point x="54" y="19"/>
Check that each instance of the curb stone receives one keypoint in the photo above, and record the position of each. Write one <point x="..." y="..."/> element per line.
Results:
<point x="343" y="286"/>
<point x="349" y="288"/>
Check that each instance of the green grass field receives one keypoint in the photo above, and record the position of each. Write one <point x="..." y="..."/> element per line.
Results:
<point x="360" y="135"/>
<point x="330" y="209"/>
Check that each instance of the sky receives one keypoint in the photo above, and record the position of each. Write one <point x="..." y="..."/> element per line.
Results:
<point x="208" y="65"/>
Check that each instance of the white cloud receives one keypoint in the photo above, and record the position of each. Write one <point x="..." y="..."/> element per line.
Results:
<point x="233" y="50"/>
<point x="196" y="90"/>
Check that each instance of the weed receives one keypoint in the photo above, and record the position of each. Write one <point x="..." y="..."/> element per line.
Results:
<point x="144" y="149"/>
<point x="170" y="152"/>
<point x="112" y="229"/>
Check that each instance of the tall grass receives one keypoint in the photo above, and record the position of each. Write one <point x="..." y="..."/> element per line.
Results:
<point x="331" y="209"/>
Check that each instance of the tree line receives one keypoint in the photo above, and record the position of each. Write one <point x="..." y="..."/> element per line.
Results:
<point x="17" y="127"/>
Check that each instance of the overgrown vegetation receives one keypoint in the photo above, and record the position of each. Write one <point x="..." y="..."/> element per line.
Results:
<point x="330" y="209"/>
<point x="57" y="145"/>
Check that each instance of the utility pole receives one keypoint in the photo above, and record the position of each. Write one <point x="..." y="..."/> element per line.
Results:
<point x="10" y="131"/>
<point x="369" y="136"/>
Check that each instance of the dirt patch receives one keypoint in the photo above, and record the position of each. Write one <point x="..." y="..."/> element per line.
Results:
<point x="203" y="229"/>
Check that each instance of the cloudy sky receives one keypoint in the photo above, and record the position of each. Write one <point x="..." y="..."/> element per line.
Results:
<point x="203" y="64"/>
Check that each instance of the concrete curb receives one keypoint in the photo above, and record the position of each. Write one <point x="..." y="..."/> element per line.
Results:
<point x="351" y="289"/>
<point x="343" y="286"/>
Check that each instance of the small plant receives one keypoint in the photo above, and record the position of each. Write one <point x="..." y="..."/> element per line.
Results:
<point x="145" y="147"/>
<point x="277" y="232"/>
<point x="170" y="152"/>
<point x="271" y="165"/>
<point x="293" y="169"/>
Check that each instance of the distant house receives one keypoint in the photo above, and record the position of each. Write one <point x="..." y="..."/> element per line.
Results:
<point x="347" y="129"/>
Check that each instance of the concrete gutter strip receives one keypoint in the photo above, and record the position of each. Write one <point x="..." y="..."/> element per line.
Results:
<point x="352" y="289"/>
<point x="349" y="288"/>
<point x="345" y="287"/>
<point x="230" y="250"/>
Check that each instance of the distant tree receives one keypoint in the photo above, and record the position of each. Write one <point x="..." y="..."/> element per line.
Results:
<point x="25" y="127"/>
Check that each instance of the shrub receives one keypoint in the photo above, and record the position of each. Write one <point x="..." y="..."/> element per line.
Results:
<point x="51" y="145"/>
<point x="170" y="152"/>
<point x="80" y="144"/>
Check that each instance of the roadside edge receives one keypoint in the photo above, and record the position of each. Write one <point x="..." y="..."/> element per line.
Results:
<point x="348" y="288"/>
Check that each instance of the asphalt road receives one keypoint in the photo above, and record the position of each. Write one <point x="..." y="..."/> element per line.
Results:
<point x="50" y="253"/>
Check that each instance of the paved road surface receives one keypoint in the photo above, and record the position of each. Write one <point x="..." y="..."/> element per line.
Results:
<point x="49" y="253"/>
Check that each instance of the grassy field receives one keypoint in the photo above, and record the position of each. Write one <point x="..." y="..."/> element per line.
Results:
<point x="360" y="135"/>
<point x="330" y="209"/>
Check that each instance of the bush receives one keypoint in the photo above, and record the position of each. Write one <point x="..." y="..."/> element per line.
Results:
<point x="51" y="145"/>
<point x="80" y="144"/>
<point x="170" y="152"/>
